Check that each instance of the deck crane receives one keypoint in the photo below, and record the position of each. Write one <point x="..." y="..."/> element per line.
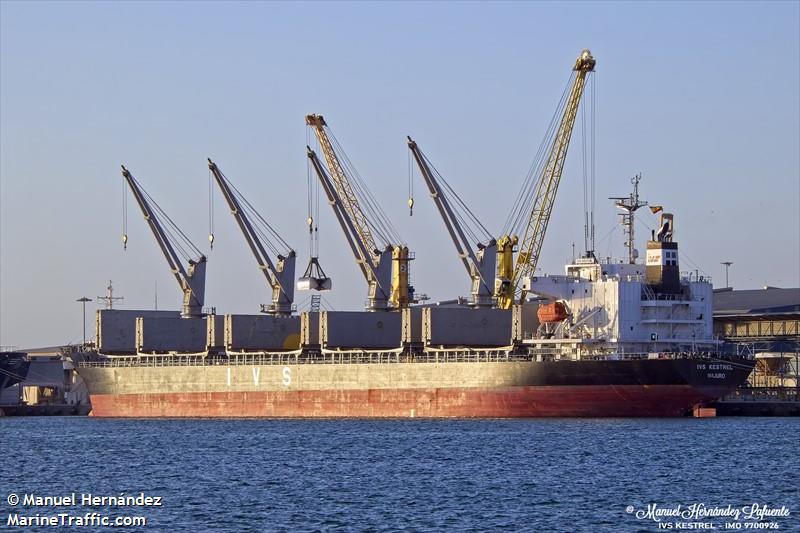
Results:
<point x="547" y="186"/>
<point x="280" y="275"/>
<point x="480" y="265"/>
<point x="386" y="269"/>
<point x="192" y="279"/>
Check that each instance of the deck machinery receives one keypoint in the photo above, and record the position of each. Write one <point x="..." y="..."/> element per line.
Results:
<point x="480" y="265"/>
<point x="279" y="275"/>
<point x="384" y="268"/>
<point x="119" y="331"/>
<point x="277" y="328"/>
<point x="191" y="279"/>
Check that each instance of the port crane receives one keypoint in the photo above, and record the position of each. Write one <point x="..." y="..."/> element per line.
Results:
<point x="546" y="187"/>
<point x="385" y="269"/>
<point x="280" y="274"/>
<point x="192" y="278"/>
<point x="480" y="265"/>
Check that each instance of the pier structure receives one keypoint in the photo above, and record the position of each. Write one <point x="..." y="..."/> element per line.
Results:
<point x="766" y="323"/>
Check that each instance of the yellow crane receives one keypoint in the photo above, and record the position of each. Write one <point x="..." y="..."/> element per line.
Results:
<point x="386" y="270"/>
<point x="545" y="193"/>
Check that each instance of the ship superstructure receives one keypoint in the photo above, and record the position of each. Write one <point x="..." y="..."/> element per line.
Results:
<point x="613" y="308"/>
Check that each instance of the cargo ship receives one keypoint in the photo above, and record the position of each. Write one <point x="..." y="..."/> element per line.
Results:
<point x="456" y="384"/>
<point x="605" y="339"/>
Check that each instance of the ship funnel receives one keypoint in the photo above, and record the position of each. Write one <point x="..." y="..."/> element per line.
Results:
<point x="661" y="269"/>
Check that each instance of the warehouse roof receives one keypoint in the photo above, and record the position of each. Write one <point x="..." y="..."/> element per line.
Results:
<point x="766" y="301"/>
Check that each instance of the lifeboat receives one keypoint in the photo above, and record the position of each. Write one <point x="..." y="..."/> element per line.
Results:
<point x="554" y="312"/>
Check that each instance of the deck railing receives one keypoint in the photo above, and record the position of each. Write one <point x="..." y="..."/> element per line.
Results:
<point x="386" y="357"/>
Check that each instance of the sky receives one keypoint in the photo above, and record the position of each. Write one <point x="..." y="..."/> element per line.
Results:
<point x="702" y="99"/>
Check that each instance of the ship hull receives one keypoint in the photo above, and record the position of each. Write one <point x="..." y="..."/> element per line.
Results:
<point x="518" y="402"/>
<point x="637" y="388"/>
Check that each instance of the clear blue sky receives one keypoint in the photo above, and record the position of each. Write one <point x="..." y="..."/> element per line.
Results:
<point x="702" y="98"/>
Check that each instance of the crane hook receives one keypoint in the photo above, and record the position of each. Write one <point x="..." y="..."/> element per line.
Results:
<point x="124" y="241"/>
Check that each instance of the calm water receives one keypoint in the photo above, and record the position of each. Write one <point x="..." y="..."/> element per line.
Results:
<point x="514" y="475"/>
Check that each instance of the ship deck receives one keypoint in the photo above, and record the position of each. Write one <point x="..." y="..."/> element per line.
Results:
<point x="371" y="357"/>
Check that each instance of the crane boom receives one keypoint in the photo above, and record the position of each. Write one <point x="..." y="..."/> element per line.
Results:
<point x="191" y="282"/>
<point x="480" y="269"/>
<point x="376" y="272"/>
<point x="386" y="270"/>
<point x="280" y="277"/>
<point x="547" y="185"/>
<point x="339" y="178"/>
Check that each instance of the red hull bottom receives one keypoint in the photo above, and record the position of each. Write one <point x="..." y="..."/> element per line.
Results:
<point x="516" y="402"/>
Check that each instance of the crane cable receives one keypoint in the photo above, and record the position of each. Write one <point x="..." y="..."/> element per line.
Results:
<point x="588" y="169"/>
<point x="593" y="167"/>
<point x="376" y="218"/>
<point x="540" y="160"/>
<point x="124" y="214"/>
<point x="176" y="237"/>
<point x="522" y="205"/>
<point x="276" y="244"/>
<point x="210" y="209"/>
<point x="585" y="179"/>
<point x="468" y="221"/>
<point x="316" y="209"/>
<point x="410" y="185"/>
<point x="309" y="202"/>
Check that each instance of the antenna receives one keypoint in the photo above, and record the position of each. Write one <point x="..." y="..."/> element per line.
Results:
<point x="630" y="204"/>
<point x="110" y="299"/>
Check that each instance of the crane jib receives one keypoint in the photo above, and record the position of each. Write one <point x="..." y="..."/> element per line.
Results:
<point x="547" y="185"/>
<point x="384" y="268"/>
<point x="192" y="283"/>
<point x="281" y="277"/>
